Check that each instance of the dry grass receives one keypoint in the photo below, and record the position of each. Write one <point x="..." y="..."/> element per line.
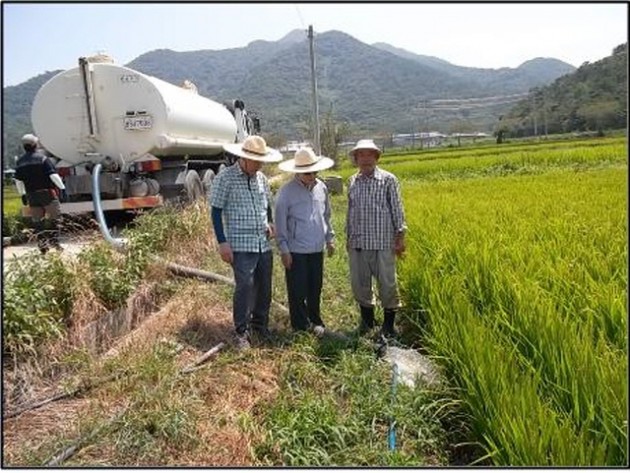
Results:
<point x="197" y="317"/>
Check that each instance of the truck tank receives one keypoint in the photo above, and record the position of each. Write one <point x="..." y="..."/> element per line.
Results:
<point x="102" y="109"/>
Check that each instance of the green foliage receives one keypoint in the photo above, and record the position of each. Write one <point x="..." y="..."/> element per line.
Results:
<point x="528" y="270"/>
<point x="11" y="201"/>
<point x="592" y="98"/>
<point x="109" y="276"/>
<point x="37" y="295"/>
<point x="162" y="412"/>
<point x="339" y="414"/>
<point x="529" y="158"/>
<point x="38" y="290"/>
<point x="12" y="220"/>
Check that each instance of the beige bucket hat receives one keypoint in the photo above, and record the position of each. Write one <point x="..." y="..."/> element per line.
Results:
<point x="305" y="160"/>
<point x="365" y="144"/>
<point x="254" y="147"/>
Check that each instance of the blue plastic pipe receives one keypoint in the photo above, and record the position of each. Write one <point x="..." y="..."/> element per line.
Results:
<point x="391" y="435"/>
<point x="98" y="210"/>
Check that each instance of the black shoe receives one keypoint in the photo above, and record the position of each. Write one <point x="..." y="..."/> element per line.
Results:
<point x="262" y="336"/>
<point x="388" y="330"/>
<point x="241" y="341"/>
<point x="389" y="334"/>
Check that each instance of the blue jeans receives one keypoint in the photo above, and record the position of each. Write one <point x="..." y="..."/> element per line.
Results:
<point x="252" y="294"/>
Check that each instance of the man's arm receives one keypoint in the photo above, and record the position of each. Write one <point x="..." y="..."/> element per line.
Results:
<point x="225" y="250"/>
<point x="56" y="179"/>
<point x="217" y="224"/>
<point x="281" y="222"/>
<point x="19" y="185"/>
<point x="397" y="210"/>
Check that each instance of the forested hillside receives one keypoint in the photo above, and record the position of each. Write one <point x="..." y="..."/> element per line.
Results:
<point x="593" y="98"/>
<point x="16" y="113"/>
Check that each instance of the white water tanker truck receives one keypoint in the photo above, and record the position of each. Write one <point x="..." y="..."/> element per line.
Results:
<point x="153" y="140"/>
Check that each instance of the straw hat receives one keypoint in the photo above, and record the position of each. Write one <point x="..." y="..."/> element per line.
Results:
<point x="365" y="144"/>
<point x="305" y="160"/>
<point x="254" y="147"/>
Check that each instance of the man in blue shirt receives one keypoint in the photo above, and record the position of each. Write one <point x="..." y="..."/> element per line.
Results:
<point x="241" y="200"/>
<point x="303" y="229"/>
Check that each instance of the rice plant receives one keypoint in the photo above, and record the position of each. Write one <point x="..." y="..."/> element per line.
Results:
<point x="524" y="282"/>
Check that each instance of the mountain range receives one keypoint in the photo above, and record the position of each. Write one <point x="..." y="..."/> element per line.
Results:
<point x="373" y="88"/>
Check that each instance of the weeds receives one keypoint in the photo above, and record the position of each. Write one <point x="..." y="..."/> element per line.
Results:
<point x="338" y="414"/>
<point x="37" y="297"/>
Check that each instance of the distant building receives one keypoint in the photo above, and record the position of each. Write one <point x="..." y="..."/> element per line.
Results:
<point x="469" y="135"/>
<point x="293" y="146"/>
<point x="429" y="139"/>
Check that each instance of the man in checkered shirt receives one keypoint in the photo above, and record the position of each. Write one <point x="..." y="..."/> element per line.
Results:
<point x="375" y="230"/>
<point x="241" y="199"/>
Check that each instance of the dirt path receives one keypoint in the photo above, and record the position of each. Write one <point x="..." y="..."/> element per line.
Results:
<point x="72" y="246"/>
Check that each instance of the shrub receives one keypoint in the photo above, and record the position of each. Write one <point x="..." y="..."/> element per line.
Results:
<point x="37" y="299"/>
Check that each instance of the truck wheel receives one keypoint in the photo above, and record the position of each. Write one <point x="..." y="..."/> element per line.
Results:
<point x="193" y="186"/>
<point x="208" y="177"/>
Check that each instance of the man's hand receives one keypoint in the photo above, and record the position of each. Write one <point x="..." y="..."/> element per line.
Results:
<point x="271" y="231"/>
<point x="330" y="248"/>
<point x="225" y="250"/>
<point x="287" y="260"/>
<point x="399" y="245"/>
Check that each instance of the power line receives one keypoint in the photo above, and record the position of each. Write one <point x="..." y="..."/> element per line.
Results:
<point x="299" y="15"/>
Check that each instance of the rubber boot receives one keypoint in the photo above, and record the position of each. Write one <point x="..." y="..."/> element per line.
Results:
<point x="389" y="315"/>
<point x="367" y="319"/>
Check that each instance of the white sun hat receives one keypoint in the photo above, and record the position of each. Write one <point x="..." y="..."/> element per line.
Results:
<point x="254" y="147"/>
<point x="305" y="160"/>
<point x="365" y="144"/>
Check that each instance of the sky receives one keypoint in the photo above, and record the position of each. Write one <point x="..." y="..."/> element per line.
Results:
<point x="40" y="37"/>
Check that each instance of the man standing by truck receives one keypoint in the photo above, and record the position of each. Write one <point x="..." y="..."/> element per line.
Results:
<point x="38" y="183"/>
<point x="241" y="198"/>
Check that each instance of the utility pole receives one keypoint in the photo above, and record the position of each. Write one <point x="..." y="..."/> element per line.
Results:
<point x="534" y="114"/>
<point x="545" y="115"/>
<point x="316" y="139"/>
<point x="426" y="121"/>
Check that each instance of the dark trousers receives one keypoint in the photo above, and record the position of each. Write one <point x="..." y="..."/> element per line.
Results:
<point x="252" y="294"/>
<point x="304" y="288"/>
<point x="45" y="224"/>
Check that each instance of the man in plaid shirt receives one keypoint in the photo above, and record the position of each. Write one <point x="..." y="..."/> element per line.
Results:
<point x="375" y="230"/>
<point x="241" y="199"/>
